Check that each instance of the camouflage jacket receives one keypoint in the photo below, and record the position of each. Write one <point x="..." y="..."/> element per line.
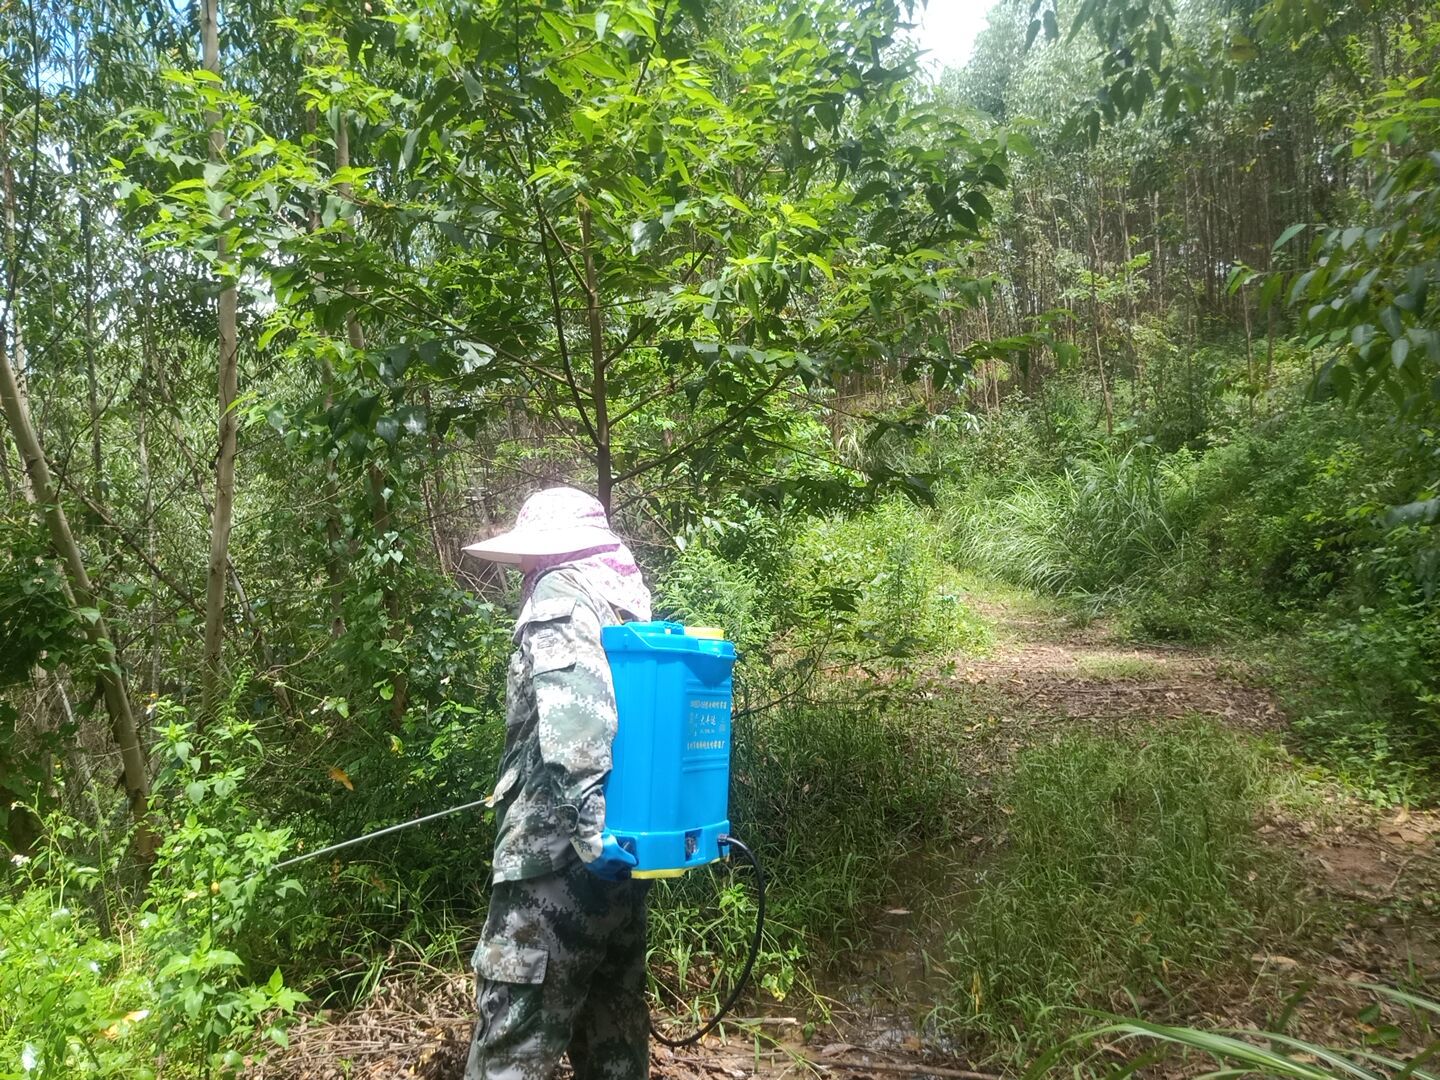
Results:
<point x="559" y="724"/>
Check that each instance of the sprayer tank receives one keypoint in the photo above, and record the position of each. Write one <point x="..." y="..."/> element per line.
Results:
<point x="667" y="797"/>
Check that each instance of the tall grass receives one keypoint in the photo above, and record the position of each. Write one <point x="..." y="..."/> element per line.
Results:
<point x="1087" y="530"/>
<point x="1125" y="867"/>
<point x="833" y="790"/>
<point x="1274" y="1053"/>
<point x="835" y="782"/>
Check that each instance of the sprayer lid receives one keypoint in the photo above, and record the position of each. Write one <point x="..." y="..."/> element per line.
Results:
<point x="651" y="637"/>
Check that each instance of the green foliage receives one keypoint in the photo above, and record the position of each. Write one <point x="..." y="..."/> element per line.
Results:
<point x="1295" y="525"/>
<point x="648" y="248"/>
<point x="834" y="788"/>
<point x="1367" y="685"/>
<point x="697" y="945"/>
<point x="1368" y="285"/>
<point x="1085" y="531"/>
<point x="835" y="784"/>
<point x="36" y="615"/>
<point x="1125" y="866"/>
<point x="702" y="588"/>
<point x="62" y="988"/>
<point x="174" y="978"/>
<point x="738" y="216"/>
<point x="1277" y="1054"/>
<point x="907" y="599"/>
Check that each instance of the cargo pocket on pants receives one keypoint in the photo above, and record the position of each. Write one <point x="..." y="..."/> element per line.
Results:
<point x="502" y="960"/>
<point x="499" y="966"/>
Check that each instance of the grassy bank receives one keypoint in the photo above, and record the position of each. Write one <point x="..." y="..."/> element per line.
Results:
<point x="1295" y="538"/>
<point x="1127" y="872"/>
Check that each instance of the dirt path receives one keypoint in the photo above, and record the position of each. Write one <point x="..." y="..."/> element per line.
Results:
<point x="1047" y="667"/>
<point x="1373" y="878"/>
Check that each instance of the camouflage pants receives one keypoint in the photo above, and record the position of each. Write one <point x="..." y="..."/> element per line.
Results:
<point x="561" y="968"/>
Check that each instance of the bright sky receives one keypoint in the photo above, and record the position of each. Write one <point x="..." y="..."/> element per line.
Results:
<point x="946" y="30"/>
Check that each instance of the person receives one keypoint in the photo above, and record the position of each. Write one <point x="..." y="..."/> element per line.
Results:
<point x="560" y="966"/>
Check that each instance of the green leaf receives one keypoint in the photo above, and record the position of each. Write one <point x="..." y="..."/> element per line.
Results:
<point x="1399" y="350"/>
<point x="1170" y="109"/>
<point x="1422" y="512"/>
<point x="821" y="265"/>
<point x="1288" y="235"/>
<point x="872" y="190"/>
<point x="1242" y="49"/>
<point x="643" y="235"/>
<point x="1362" y="287"/>
<point x="195" y="791"/>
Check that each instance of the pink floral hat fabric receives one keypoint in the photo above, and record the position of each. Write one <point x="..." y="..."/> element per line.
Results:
<point x="557" y="521"/>
<point x="564" y="527"/>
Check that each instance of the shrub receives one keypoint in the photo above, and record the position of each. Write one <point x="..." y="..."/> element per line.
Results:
<point x="907" y="599"/>
<point x="1366" y="686"/>
<point x="702" y="588"/>
<point x="1088" y="530"/>
<point x="174" y="980"/>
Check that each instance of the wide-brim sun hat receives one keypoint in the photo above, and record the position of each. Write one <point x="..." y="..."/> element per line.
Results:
<point x="557" y="521"/>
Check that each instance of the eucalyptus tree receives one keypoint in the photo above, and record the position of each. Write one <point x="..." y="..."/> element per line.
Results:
<point x="228" y="347"/>
<point x="1362" y="77"/>
<point x="38" y="151"/>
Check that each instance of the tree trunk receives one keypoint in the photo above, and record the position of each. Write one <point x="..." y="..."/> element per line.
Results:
<point x="334" y="539"/>
<point x="604" y="464"/>
<point x="147" y="485"/>
<point x="5" y="474"/>
<point x="215" y="579"/>
<point x="135" y="774"/>
<point x="1250" y="376"/>
<point x="12" y="291"/>
<point x="1099" y="348"/>
<point x="380" y="487"/>
<point x="97" y="483"/>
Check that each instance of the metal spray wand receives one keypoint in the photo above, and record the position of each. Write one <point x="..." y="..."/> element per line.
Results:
<point x="381" y="832"/>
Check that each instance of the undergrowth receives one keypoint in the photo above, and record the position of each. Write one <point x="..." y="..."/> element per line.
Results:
<point x="835" y="778"/>
<point x="1124" y="871"/>
<point x="833" y="790"/>
<point x="1308" y="533"/>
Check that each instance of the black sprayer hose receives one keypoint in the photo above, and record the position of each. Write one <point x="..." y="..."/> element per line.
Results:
<point x="730" y="841"/>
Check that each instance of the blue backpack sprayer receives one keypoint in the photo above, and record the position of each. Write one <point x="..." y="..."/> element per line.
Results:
<point x="667" y="797"/>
